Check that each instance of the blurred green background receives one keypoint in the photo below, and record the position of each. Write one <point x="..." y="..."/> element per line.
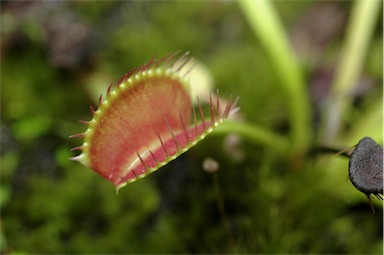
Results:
<point x="56" y="54"/>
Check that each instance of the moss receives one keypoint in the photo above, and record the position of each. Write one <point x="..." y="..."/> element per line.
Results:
<point x="275" y="202"/>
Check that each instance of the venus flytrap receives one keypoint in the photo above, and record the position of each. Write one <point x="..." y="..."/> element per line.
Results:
<point x="143" y="122"/>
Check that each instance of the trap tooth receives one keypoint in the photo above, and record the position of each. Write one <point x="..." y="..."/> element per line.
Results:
<point x="78" y="148"/>
<point x="81" y="135"/>
<point x="84" y="122"/>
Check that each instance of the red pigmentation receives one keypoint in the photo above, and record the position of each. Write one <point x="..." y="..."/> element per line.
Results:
<point x="143" y="122"/>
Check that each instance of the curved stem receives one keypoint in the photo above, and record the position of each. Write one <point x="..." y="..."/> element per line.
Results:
<point x="255" y="134"/>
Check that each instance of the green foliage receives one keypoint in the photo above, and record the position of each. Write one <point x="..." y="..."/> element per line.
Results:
<point x="57" y="56"/>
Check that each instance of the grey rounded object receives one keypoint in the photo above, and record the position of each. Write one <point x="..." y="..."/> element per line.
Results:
<point x="366" y="167"/>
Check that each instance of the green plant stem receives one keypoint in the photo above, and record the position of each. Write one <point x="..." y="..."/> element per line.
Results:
<point x="359" y="33"/>
<point x="255" y="134"/>
<point x="265" y="23"/>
